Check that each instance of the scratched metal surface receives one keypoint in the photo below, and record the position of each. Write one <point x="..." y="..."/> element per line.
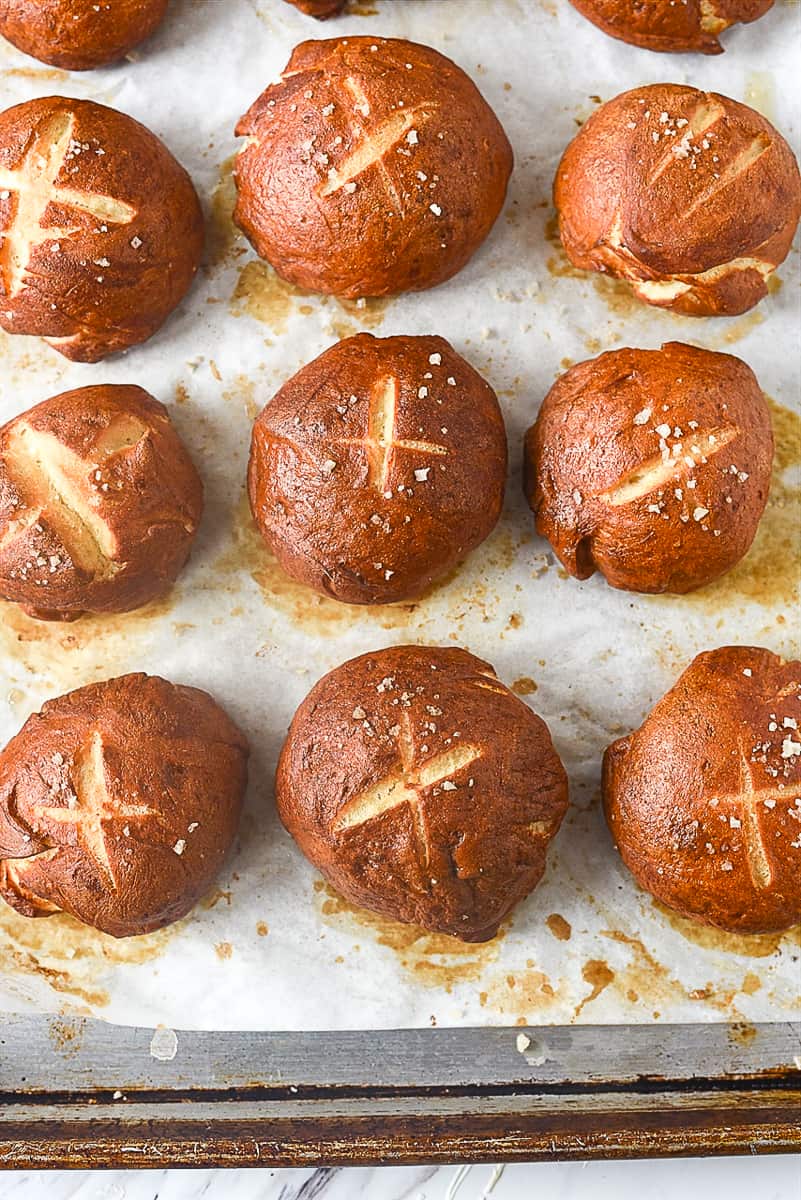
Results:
<point x="270" y="948"/>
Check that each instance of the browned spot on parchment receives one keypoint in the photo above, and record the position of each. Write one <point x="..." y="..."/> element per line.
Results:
<point x="434" y="959"/>
<point x="262" y="928"/>
<point x="523" y="994"/>
<point x="559" y="927"/>
<point x="524" y="686"/>
<point x="62" y="655"/>
<point x="224" y="239"/>
<point x="751" y="984"/>
<point x="261" y="293"/>
<point x="356" y="315"/>
<point x="750" y="945"/>
<point x="71" y="957"/>
<point x="466" y="594"/>
<point x="215" y="896"/>
<point x="770" y="573"/>
<point x="598" y="975"/>
<point x="243" y="391"/>
<point x="35" y="73"/>
<point x="224" y="950"/>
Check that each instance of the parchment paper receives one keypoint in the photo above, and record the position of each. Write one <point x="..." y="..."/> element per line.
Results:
<point x="271" y="947"/>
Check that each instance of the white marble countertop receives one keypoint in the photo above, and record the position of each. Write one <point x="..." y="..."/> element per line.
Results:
<point x="776" y="1178"/>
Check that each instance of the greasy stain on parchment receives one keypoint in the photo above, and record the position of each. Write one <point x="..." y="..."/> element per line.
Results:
<point x="261" y="293"/>
<point x="433" y="959"/>
<point x="225" y="240"/>
<point x="524" y="994"/>
<point x="72" y="958"/>
<point x="770" y="573"/>
<point x="465" y="587"/>
<point x="61" y="655"/>
<point x="749" y="945"/>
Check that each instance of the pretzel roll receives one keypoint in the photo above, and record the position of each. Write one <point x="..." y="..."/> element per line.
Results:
<point x="690" y="196"/>
<point x="422" y="788"/>
<point x="666" y="25"/>
<point x="321" y="9"/>
<point x="119" y="803"/>
<point x="651" y="466"/>
<point x="378" y="467"/>
<point x="99" y="503"/>
<point x="79" y="34"/>
<point x="101" y="231"/>
<point x="373" y="166"/>
<point x="704" y="799"/>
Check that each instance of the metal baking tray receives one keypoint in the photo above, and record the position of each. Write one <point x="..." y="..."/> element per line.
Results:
<point x="78" y="1092"/>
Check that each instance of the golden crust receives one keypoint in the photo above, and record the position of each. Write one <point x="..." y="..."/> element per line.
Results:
<point x="99" y="503"/>
<point x="404" y="817"/>
<point x="651" y="466"/>
<point x="78" y="35"/>
<point x="374" y="166"/>
<point x="119" y="803"/>
<point x="689" y="196"/>
<point x="692" y="25"/>
<point x="101" y="231"/>
<point x="704" y="799"/>
<point x="378" y="467"/>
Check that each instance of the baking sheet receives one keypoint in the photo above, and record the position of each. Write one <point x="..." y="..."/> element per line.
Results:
<point x="272" y="947"/>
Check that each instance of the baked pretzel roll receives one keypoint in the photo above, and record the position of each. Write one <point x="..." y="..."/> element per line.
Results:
<point x="373" y="166"/>
<point x="101" y="231"/>
<point x="704" y="799"/>
<point x="79" y="34"/>
<point x="651" y="466"/>
<point x="378" y="467"/>
<point x="321" y="9"/>
<point x="422" y="788"/>
<point x="99" y="503"/>
<point x="689" y="196"/>
<point x="666" y="25"/>
<point x="119" y="803"/>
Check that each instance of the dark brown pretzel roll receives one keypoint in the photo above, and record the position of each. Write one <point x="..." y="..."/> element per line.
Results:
<point x="119" y="803"/>
<point x="99" y="503"/>
<point x="689" y="196"/>
<point x="374" y="166"/>
<point x="79" y="34"/>
<point x="704" y="799"/>
<point x="423" y="788"/>
<point x="378" y="467"/>
<point x="691" y="25"/>
<point x="651" y="466"/>
<point x="101" y="231"/>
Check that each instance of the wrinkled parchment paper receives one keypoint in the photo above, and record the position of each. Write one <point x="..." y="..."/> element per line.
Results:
<point x="271" y="947"/>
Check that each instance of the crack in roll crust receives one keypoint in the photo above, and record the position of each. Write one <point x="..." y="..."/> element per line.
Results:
<point x="691" y="197"/>
<point x="101" y="231"/>
<point x="422" y="788"/>
<point x="378" y="467"/>
<point x="374" y="166"/>
<point x="119" y="803"/>
<point x="78" y="35"/>
<point x="99" y="503"/>
<point x="704" y="799"/>
<point x="692" y="25"/>
<point x="651" y="466"/>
